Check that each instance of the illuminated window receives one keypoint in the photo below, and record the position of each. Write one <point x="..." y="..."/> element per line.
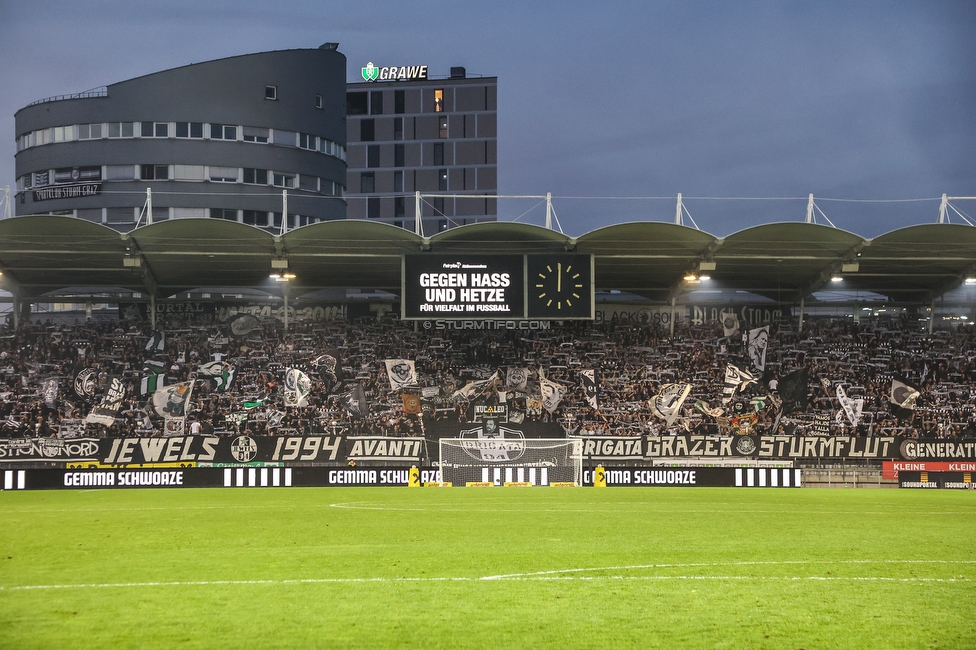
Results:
<point x="439" y="100"/>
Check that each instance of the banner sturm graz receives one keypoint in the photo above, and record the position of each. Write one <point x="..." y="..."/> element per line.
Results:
<point x="774" y="447"/>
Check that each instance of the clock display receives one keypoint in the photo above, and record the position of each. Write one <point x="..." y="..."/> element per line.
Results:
<point x="560" y="286"/>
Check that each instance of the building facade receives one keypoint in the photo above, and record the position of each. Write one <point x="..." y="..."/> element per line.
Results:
<point x="408" y="132"/>
<point x="247" y="138"/>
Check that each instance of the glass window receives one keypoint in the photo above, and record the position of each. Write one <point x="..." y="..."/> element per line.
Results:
<point x="373" y="155"/>
<point x="154" y="172"/>
<point x="96" y="131"/>
<point x="318" y="101"/>
<point x="373" y="207"/>
<point x="223" y="213"/>
<point x="271" y="92"/>
<point x="223" y="174"/>
<point x="398" y="128"/>
<point x="84" y="131"/>
<point x="398" y="155"/>
<point x="147" y="130"/>
<point x="442" y="126"/>
<point x="438" y="153"/>
<point x="223" y="132"/>
<point x="162" y="130"/>
<point x="438" y="204"/>
<point x="189" y="129"/>
<point x="283" y="180"/>
<point x="399" y="207"/>
<point x="127" y="129"/>
<point x="255" y="218"/>
<point x="255" y="134"/>
<point x="439" y="100"/>
<point x="399" y="101"/>
<point x="256" y="176"/>
<point x="442" y="180"/>
<point x="376" y="102"/>
<point x="188" y="172"/>
<point x="367" y="130"/>
<point x="356" y="103"/>
<point x="90" y="173"/>
<point x="366" y="183"/>
<point x="113" y="130"/>
<point x="308" y="183"/>
<point x="120" y="172"/>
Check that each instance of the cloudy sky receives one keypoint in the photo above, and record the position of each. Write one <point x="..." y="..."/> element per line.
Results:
<point x="614" y="107"/>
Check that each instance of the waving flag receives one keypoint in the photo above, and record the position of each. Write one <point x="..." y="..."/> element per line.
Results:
<point x="736" y="379"/>
<point x="667" y="403"/>
<point x="588" y="380"/>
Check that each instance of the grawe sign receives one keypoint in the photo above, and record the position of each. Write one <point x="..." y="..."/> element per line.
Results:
<point x="394" y="73"/>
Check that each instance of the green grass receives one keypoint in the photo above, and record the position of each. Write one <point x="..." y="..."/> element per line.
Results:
<point x="655" y="567"/>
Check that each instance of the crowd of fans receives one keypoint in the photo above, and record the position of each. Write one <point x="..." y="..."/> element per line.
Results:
<point x="631" y="362"/>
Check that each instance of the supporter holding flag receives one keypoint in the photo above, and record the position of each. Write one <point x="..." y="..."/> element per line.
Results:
<point x="156" y="342"/>
<point x="667" y="403"/>
<point x="758" y="342"/>
<point x="903" y="397"/>
<point x="552" y="394"/>
<point x="793" y="391"/>
<point x="588" y="380"/>
<point x="736" y="379"/>
<point x="401" y="373"/>
<point x="297" y="387"/>
<point x="354" y="402"/>
<point x="851" y="407"/>
<point x="517" y="378"/>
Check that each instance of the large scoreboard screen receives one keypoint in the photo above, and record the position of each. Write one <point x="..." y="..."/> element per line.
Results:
<point x="497" y="287"/>
<point x="464" y="287"/>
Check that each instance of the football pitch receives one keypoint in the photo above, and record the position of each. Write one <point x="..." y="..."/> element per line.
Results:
<point x="488" y="568"/>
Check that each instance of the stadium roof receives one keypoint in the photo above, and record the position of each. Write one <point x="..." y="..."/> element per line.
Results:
<point x="785" y="261"/>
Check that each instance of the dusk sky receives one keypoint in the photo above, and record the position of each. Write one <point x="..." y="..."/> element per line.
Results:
<point x="871" y="102"/>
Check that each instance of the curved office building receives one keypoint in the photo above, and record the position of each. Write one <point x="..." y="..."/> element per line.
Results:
<point x="248" y="138"/>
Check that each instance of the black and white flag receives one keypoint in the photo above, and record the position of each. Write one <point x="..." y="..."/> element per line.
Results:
<point x="793" y="390"/>
<point x="50" y="392"/>
<point x="355" y="402"/>
<point x="517" y="378"/>
<point x="758" y="342"/>
<point x="86" y="382"/>
<point x="109" y="407"/>
<point x="736" y="379"/>
<point x="588" y="380"/>
<point x="851" y="407"/>
<point x="552" y="394"/>
<point x="401" y="372"/>
<point x="903" y="397"/>
<point x="473" y="388"/>
<point x="667" y="403"/>
<point x="730" y="324"/>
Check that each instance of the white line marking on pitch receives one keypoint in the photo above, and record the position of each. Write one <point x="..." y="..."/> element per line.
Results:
<point x="511" y="576"/>
<point x="543" y="576"/>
